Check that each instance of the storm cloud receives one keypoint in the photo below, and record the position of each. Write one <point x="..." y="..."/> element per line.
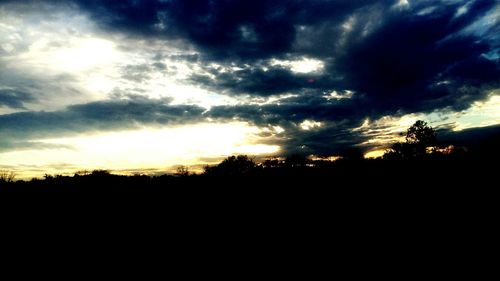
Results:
<point x="417" y="56"/>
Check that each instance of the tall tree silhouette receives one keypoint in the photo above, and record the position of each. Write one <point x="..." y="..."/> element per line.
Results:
<point x="418" y="138"/>
<point x="421" y="134"/>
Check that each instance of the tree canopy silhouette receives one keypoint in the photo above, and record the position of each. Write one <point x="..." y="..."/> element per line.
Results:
<point x="421" y="134"/>
<point x="233" y="165"/>
<point x="418" y="138"/>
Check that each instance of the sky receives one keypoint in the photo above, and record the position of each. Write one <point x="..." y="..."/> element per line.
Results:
<point x="142" y="86"/>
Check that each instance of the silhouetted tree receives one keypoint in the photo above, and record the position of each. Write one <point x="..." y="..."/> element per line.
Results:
<point x="418" y="138"/>
<point x="182" y="171"/>
<point x="421" y="134"/>
<point x="7" y="176"/>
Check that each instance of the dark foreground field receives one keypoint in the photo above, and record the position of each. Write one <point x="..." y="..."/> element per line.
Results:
<point x="357" y="206"/>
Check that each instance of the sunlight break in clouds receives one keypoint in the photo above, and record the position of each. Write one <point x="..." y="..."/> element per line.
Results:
<point x="304" y="65"/>
<point x="307" y="125"/>
<point x="480" y="114"/>
<point x="92" y="60"/>
<point x="402" y="4"/>
<point x="82" y="54"/>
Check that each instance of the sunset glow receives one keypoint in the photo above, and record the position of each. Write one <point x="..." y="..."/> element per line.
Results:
<point x="146" y="149"/>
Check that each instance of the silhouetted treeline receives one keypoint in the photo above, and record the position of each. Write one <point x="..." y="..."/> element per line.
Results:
<point x="462" y="167"/>
<point x="418" y="162"/>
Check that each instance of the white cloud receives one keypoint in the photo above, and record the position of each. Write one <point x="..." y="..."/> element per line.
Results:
<point x="303" y="65"/>
<point x="337" y="95"/>
<point x="308" y="125"/>
<point x="426" y="11"/>
<point x="462" y="10"/>
<point x="83" y="54"/>
<point x="349" y="23"/>
<point x="401" y="4"/>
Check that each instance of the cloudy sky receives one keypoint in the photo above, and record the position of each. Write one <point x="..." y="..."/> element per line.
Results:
<point x="145" y="85"/>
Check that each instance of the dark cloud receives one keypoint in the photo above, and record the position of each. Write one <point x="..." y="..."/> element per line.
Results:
<point x="14" y="98"/>
<point x="259" y="82"/>
<point x="160" y="66"/>
<point x="97" y="116"/>
<point x="18" y="88"/>
<point x="399" y="60"/>
<point x="337" y="117"/>
<point x="225" y="29"/>
<point x="330" y="139"/>
<point x="399" y="65"/>
<point x="141" y="17"/>
<point x="11" y="145"/>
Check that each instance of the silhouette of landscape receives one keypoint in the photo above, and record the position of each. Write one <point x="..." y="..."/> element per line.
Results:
<point x="421" y="161"/>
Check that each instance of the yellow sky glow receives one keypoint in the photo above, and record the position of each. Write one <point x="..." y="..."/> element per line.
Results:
<point x="375" y="153"/>
<point x="142" y="149"/>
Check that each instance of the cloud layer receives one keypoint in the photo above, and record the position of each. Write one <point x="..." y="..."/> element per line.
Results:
<point x="279" y="64"/>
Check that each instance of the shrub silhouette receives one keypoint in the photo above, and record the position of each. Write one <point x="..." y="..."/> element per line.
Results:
<point x="232" y="166"/>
